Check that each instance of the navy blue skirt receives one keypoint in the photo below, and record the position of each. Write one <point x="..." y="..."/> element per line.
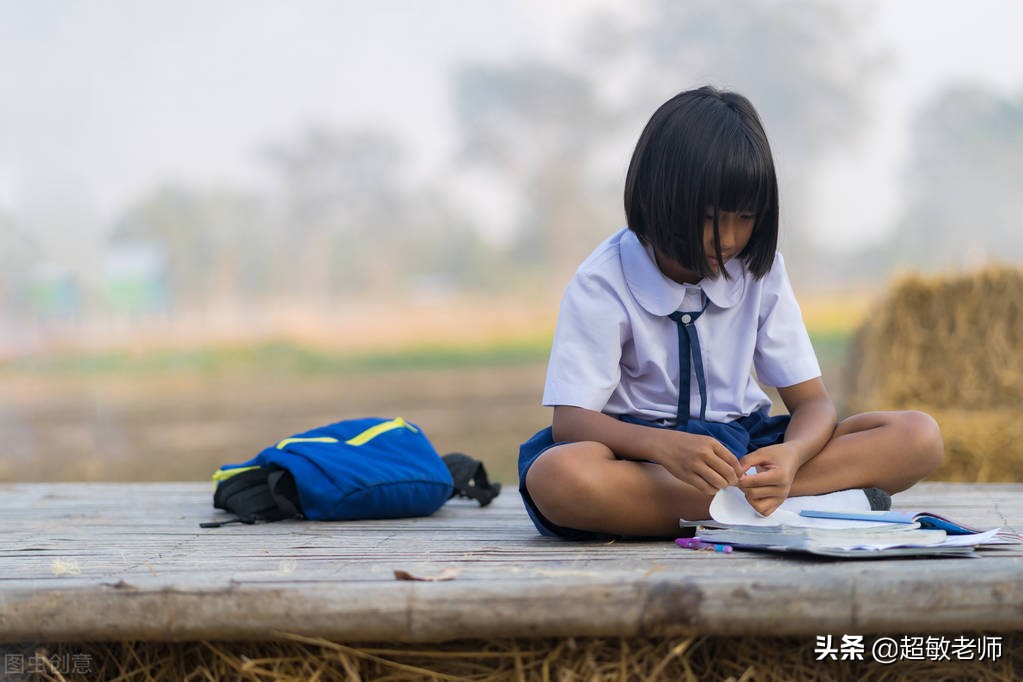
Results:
<point x="741" y="437"/>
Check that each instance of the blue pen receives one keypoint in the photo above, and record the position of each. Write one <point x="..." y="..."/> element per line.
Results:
<point x="724" y="549"/>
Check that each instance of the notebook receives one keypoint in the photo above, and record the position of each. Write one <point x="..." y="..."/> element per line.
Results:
<point x="918" y="519"/>
<point x="840" y="525"/>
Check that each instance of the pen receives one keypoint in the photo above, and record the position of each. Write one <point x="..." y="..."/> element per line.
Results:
<point x="697" y="543"/>
<point x="724" y="549"/>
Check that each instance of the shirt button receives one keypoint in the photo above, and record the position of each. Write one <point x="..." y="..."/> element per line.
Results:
<point x="686" y="319"/>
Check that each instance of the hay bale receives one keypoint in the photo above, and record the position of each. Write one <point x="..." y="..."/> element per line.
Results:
<point x="981" y="446"/>
<point x="571" y="659"/>
<point x="951" y="342"/>
<point x="950" y="346"/>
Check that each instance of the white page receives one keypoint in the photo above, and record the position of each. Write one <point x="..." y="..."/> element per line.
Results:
<point x="974" y="539"/>
<point x="730" y="506"/>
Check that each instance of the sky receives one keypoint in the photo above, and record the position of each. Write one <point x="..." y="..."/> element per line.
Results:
<point x="933" y="43"/>
<point x="104" y="100"/>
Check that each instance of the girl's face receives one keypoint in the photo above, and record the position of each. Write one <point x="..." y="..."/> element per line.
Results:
<point x="734" y="230"/>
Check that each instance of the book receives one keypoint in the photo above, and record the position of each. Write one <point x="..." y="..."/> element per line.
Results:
<point x="925" y="519"/>
<point x="830" y="543"/>
<point x="840" y="525"/>
<point x="919" y="519"/>
<point x="875" y="543"/>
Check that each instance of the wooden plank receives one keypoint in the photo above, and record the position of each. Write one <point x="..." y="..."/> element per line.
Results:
<point x="114" y="561"/>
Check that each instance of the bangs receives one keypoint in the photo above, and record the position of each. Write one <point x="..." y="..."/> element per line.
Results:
<point x="739" y="176"/>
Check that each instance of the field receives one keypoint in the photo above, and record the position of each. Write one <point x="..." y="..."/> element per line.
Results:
<point x="179" y="413"/>
<point x="183" y="425"/>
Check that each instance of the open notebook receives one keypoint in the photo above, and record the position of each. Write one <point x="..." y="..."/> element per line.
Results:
<point x="840" y="524"/>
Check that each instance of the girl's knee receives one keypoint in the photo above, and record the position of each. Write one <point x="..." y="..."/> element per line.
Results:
<point x="922" y="436"/>
<point x="565" y="479"/>
<point x="563" y="476"/>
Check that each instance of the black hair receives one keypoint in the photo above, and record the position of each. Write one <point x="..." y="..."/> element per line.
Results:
<point x="703" y="148"/>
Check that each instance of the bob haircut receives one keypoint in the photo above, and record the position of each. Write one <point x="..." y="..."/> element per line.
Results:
<point x="701" y="149"/>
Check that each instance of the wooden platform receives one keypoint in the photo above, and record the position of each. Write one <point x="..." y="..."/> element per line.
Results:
<point x="128" y="561"/>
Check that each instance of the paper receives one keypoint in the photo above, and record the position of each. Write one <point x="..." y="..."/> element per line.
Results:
<point x="988" y="537"/>
<point x="730" y="506"/>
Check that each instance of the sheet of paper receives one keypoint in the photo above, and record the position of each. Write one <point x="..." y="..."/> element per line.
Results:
<point x="988" y="537"/>
<point x="730" y="506"/>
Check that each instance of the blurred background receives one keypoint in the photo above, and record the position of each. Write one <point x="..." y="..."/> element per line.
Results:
<point x="223" y="223"/>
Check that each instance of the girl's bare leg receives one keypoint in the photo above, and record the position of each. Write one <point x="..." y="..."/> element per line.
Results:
<point x="887" y="450"/>
<point x="584" y="486"/>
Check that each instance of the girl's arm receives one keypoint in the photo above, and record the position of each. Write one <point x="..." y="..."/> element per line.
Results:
<point x="701" y="461"/>
<point x="813" y="418"/>
<point x="812" y="425"/>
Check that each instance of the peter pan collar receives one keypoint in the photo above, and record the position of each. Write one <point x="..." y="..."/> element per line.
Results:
<point x="660" y="295"/>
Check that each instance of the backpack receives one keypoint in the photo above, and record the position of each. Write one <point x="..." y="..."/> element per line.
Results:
<point x="354" y="469"/>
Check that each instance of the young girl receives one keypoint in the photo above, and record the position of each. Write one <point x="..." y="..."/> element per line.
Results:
<point x="655" y="406"/>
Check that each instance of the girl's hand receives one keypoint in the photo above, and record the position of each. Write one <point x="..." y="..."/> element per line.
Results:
<point x="701" y="461"/>
<point x="776" y="467"/>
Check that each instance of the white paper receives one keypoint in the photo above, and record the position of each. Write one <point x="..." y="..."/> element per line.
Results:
<point x="730" y="506"/>
<point x="974" y="539"/>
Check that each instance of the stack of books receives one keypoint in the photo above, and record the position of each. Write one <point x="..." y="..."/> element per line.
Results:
<point x="841" y="525"/>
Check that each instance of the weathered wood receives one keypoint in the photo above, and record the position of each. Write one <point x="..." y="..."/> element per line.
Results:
<point x="128" y="561"/>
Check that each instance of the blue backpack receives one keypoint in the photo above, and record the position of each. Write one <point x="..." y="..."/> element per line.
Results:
<point x="355" y="469"/>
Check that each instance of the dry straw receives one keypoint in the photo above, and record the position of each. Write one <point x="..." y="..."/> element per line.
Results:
<point x="737" y="659"/>
<point x="951" y="346"/>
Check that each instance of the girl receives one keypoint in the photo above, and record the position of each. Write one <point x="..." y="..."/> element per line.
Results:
<point x="655" y="407"/>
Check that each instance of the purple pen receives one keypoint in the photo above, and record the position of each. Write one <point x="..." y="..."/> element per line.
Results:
<point x="697" y="543"/>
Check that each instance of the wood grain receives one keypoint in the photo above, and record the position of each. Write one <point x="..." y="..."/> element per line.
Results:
<point x="93" y="561"/>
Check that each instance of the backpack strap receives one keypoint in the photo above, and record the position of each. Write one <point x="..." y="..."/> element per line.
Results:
<point x="470" y="478"/>
<point x="284" y="492"/>
<point x="257" y="494"/>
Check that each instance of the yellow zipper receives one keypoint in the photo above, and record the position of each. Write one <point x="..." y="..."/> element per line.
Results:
<point x="224" y="474"/>
<point x="359" y="439"/>
<point x="374" y="431"/>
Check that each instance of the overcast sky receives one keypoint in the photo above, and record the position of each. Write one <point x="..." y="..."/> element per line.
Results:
<point x="103" y="100"/>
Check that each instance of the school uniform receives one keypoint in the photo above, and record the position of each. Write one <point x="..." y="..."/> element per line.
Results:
<point x="636" y="345"/>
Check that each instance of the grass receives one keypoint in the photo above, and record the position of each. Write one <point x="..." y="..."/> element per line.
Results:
<point x="288" y="357"/>
<point x="283" y="357"/>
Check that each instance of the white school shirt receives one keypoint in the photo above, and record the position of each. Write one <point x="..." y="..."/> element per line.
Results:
<point x="616" y="350"/>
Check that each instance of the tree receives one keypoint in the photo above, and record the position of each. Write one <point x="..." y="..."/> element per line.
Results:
<point x="215" y="242"/>
<point x="962" y="187"/>
<point x="535" y="125"/>
<point x="345" y="209"/>
<point x="545" y="128"/>
<point x="19" y="253"/>
<point x="807" y="66"/>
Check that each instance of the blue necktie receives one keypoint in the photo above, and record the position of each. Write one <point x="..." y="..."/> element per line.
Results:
<point x="689" y="347"/>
